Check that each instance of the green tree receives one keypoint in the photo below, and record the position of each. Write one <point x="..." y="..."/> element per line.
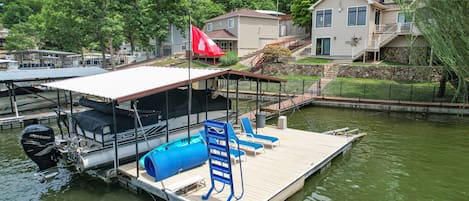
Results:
<point x="18" y="11"/>
<point x="284" y="6"/>
<point x="444" y="25"/>
<point x="231" y="5"/>
<point x="202" y="10"/>
<point x="301" y="14"/>
<point x="26" y="35"/>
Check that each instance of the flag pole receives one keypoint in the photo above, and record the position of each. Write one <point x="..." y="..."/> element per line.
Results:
<point x="189" y="88"/>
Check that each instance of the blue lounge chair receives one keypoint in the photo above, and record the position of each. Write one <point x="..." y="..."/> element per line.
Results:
<point x="243" y="144"/>
<point x="236" y="154"/>
<point x="246" y="124"/>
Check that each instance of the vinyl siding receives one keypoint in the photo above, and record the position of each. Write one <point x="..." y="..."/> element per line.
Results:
<point x="340" y="33"/>
<point x="255" y="33"/>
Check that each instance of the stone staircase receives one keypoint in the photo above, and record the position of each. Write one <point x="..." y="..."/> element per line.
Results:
<point x="330" y="71"/>
<point x="329" y="74"/>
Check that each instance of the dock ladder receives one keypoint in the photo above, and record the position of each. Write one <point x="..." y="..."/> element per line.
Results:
<point x="216" y="134"/>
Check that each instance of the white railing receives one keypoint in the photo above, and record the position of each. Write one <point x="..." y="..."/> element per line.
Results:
<point x="406" y="27"/>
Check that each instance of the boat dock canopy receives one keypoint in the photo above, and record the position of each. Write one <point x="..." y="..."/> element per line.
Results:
<point x="135" y="83"/>
<point x="7" y="61"/>
<point x="41" y="51"/>
<point x="47" y="74"/>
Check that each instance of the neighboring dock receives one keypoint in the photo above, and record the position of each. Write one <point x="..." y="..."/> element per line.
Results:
<point x="274" y="175"/>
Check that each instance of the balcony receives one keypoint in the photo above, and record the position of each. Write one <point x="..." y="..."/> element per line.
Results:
<point x="397" y="28"/>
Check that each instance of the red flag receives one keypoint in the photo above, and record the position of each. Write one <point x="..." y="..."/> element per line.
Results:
<point x="202" y="44"/>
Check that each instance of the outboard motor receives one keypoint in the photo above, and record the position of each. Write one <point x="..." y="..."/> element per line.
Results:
<point x="38" y="143"/>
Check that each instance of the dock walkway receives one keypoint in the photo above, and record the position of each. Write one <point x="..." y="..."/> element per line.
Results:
<point x="273" y="175"/>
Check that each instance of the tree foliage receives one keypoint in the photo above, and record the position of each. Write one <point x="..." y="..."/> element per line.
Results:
<point x="18" y="11"/>
<point x="231" y="5"/>
<point x="102" y="25"/>
<point x="444" y="25"/>
<point x="301" y="14"/>
<point x="273" y="52"/>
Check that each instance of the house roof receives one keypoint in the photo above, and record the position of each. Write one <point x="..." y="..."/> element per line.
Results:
<point x="285" y="17"/>
<point x="243" y="13"/>
<point x="371" y="2"/>
<point x="41" y="51"/>
<point x="221" y="34"/>
<point x="270" y="12"/>
<point x="135" y="83"/>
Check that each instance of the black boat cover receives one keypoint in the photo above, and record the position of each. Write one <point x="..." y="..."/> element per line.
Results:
<point x="101" y="115"/>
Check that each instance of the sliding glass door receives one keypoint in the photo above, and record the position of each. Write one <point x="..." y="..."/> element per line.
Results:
<point x="323" y="46"/>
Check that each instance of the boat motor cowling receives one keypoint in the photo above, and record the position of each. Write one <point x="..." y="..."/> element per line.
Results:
<point x="38" y="143"/>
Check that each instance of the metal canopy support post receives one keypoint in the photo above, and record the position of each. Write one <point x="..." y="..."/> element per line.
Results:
<point x="10" y="95"/>
<point x="15" y="106"/>
<point x="206" y="99"/>
<point x="189" y="107"/>
<point x="58" y="114"/>
<point x="167" y="115"/>
<point x="279" y="97"/>
<point x="70" y="120"/>
<point x="237" y="99"/>
<point x="257" y="96"/>
<point x="114" y="121"/>
<point x="133" y="104"/>
<point x="257" y="101"/>
<point x="228" y="98"/>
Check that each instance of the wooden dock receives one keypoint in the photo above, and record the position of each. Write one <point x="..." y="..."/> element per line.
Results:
<point x="274" y="175"/>
<point x="285" y="105"/>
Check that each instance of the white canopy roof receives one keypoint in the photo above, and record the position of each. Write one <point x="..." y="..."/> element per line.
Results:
<point x="124" y="85"/>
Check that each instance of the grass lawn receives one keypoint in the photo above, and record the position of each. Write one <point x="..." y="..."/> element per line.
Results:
<point x="386" y="90"/>
<point x="298" y="77"/>
<point x="237" y="66"/>
<point x="295" y="84"/>
<point x="168" y="62"/>
<point x="310" y="60"/>
<point x="195" y="64"/>
<point x="383" y="63"/>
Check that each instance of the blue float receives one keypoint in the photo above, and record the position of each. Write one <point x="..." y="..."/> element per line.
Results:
<point x="174" y="157"/>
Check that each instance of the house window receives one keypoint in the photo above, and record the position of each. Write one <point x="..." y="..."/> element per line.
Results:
<point x="324" y="18"/>
<point x="225" y="45"/>
<point x="209" y="26"/>
<point x="357" y="16"/>
<point x="230" y="23"/>
<point x="402" y="18"/>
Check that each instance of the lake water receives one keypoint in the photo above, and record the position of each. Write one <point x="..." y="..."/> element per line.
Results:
<point x="403" y="157"/>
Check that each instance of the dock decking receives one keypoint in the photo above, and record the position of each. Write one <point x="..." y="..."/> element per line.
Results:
<point x="273" y="175"/>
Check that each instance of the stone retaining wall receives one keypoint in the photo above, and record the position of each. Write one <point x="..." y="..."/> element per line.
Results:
<point x="293" y="69"/>
<point x="397" y="73"/>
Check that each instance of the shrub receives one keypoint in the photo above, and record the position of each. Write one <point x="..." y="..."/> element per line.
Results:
<point x="230" y="58"/>
<point x="275" y="51"/>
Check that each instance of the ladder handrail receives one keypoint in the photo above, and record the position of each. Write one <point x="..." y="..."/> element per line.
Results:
<point x="214" y="131"/>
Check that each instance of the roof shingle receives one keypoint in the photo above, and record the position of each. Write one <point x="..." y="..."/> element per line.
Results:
<point x="242" y="12"/>
<point x="221" y="34"/>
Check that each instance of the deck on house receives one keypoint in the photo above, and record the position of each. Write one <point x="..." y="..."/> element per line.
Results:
<point x="273" y="175"/>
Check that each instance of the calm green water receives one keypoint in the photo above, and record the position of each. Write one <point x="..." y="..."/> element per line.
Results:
<point x="403" y="157"/>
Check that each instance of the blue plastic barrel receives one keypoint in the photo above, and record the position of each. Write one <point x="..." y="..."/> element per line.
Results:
<point x="164" y="164"/>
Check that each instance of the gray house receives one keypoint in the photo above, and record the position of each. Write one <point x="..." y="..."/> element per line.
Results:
<point x="364" y="30"/>
<point x="243" y="31"/>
